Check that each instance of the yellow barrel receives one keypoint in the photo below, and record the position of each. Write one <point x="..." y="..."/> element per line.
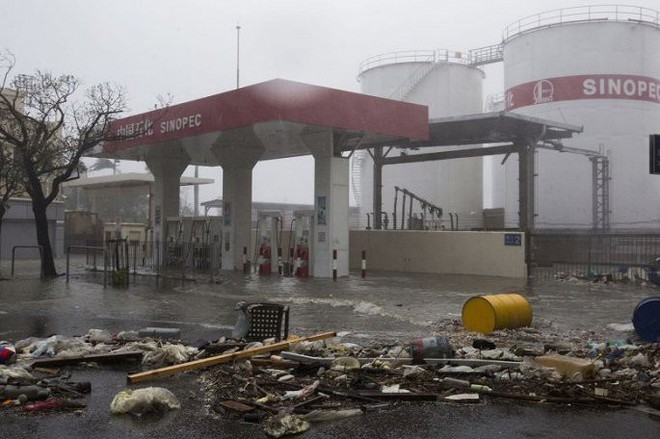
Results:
<point x="490" y="312"/>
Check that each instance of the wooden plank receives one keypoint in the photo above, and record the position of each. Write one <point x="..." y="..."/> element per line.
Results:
<point x="234" y="406"/>
<point x="224" y="358"/>
<point x="275" y="364"/>
<point x="97" y="358"/>
<point x="376" y="394"/>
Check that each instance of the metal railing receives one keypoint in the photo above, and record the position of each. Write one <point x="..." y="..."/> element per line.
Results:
<point x="486" y="55"/>
<point x="414" y="56"/>
<point x="593" y="254"/>
<point x="192" y="257"/>
<point x="582" y="14"/>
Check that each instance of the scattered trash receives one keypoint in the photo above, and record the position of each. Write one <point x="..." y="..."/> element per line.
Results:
<point x="53" y="404"/>
<point x="99" y="336"/>
<point x="164" y="333"/>
<point x="288" y="385"/>
<point x="573" y="368"/>
<point x="621" y="327"/>
<point x="430" y="347"/>
<point x="330" y="415"/>
<point x="242" y="326"/>
<point x="97" y="358"/>
<point x="7" y="353"/>
<point x="464" y="397"/>
<point x="31" y="392"/>
<point x="285" y="424"/>
<point x="482" y="344"/>
<point x="141" y="401"/>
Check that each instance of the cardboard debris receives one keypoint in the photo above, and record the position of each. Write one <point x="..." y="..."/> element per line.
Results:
<point x="463" y="397"/>
<point x="567" y="366"/>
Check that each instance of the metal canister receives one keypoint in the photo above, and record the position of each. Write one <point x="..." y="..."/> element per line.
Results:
<point x="430" y="347"/>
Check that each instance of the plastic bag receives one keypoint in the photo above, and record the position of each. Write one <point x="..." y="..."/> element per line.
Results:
<point x="169" y="354"/>
<point x="141" y="401"/>
<point x="242" y="326"/>
<point x="99" y="336"/>
<point x="7" y="353"/>
<point x="285" y="424"/>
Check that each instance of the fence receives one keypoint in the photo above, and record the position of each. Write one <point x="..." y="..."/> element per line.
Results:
<point x="593" y="254"/>
<point x="142" y="256"/>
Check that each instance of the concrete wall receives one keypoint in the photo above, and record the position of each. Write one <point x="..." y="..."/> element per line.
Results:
<point x="478" y="253"/>
<point x="18" y="229"/>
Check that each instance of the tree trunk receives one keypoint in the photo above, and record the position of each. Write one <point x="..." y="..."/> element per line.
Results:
<point x="39" y="208"/>
<point x="3" y="210"/>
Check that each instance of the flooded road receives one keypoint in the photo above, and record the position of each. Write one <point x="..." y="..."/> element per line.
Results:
<point x="384" y="306"/>
<point x="392" y="304"/>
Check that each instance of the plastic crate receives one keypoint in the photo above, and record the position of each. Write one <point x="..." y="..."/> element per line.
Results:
<point x="267" y="320"/>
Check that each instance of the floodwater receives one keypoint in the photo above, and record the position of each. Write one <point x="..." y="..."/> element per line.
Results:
<point x="381" y="307"/>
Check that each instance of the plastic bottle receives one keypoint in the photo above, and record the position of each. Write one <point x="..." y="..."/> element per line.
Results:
<point x="453" y="382"/>
<point x="51" y="404"/>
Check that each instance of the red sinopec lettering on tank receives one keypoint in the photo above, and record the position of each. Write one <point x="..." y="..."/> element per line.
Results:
<point x="597" y="86"/>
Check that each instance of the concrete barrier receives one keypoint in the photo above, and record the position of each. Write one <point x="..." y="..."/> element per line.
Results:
<point x="441" y="252"/>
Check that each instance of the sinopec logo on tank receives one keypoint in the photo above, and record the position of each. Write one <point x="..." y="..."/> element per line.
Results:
<point x="597" y="86"/>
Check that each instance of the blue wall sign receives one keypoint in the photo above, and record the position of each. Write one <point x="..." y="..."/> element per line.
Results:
<point x="512" y="239"/>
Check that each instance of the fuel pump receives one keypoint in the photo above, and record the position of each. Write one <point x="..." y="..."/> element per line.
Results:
<point x="205" y="236"/>
<point x="302" y="251"/>
<point x="174" y="242"/>
<point x="268" y="237"/>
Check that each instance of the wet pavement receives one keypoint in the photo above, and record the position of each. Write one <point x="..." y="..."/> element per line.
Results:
<point x="382" y="307"/>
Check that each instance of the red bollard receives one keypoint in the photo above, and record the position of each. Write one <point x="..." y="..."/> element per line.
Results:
<point x="364" y="264"/>
<point x="334" y="265"/>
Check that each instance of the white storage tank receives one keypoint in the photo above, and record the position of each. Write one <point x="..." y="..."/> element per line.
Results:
<point x="598" y="67"/>
<point x="443" y="81"/>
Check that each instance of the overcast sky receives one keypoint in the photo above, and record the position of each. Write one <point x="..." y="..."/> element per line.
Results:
<point x="188" y="48"/>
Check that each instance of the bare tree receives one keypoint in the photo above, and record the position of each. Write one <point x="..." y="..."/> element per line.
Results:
<point x="51" y="132"/>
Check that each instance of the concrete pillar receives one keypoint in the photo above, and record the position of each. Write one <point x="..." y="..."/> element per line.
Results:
<point x="378" y="188"/>
<point x="331" y="180"/>
<point x="237" y="151"/>
<point x="166" y="167"/>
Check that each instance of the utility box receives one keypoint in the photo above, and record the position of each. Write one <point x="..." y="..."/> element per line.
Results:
<point x="132" y="232"/>
<point x="654" y="153"/>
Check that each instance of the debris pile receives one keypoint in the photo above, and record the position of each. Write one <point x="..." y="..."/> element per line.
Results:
<point x="287" y="386"/>
<point x="33" y="374"/>
<point x="333" y="378"/>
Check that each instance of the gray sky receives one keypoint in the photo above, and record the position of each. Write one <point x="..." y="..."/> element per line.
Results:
<point x="188" y="48"/>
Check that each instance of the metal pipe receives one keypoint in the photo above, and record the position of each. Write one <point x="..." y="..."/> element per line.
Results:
<point x="403" y="209"/>
<point x="410" y="212"/>
<point x="396" y="193"/>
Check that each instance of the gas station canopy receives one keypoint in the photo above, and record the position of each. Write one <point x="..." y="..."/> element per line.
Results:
<point x="271" y="115"/>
